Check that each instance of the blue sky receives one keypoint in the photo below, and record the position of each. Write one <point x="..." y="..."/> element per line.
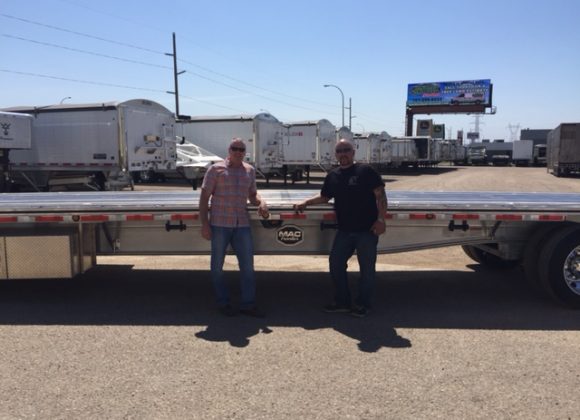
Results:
<point x="253" y="56"/>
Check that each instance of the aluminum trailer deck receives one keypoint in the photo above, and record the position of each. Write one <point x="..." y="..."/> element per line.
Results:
<point x="60" y="234"/>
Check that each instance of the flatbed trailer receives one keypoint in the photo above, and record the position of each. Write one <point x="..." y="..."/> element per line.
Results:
<point x="60" y="235"/>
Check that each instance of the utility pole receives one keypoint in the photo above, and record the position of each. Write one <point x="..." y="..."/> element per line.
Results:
<point x="350" y="114"/>
<point x="175" y="74"/>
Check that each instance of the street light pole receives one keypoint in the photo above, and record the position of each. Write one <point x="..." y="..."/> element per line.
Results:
<point x="64" y="99"/>
<point x="342" y="96"/>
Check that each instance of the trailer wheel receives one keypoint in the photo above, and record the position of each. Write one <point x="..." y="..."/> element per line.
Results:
<point x="487" y="259"/>
<point x="559" y="266"/>
<point x="531" y="255"/>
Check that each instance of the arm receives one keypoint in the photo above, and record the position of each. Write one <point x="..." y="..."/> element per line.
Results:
<point x="317" y="199"/>
<point x="379" y="226"/>
<point x="256" y="200"/>
<point x="204" y="213"/>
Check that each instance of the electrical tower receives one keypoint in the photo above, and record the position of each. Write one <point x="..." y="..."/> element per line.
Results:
<point x="514" y="132"/>
<point x="475" y="134"/>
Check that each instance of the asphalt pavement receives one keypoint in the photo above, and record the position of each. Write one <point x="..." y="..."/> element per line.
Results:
<point x="139" y="337"/>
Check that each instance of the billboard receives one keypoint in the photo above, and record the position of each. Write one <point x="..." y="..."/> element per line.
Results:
<point x="438" y="131"/>
<point x="424" y="127"/>
<point x="464" y="92"/>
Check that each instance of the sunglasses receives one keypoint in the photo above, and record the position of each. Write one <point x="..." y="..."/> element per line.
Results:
<point x="237" y="149"/>
<point x="346" y="150"/>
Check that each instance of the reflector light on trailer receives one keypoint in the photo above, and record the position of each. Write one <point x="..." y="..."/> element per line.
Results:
<point x="548" y="217"/>
<point x="465" y="216"/>
<point x="185" y="216"/>
<point x="421" y="216"/>
<point x="49" y="218"/>
<point x="8" y="219"/>
<point x="329" y="216"/>
<point x="290" y="216"/>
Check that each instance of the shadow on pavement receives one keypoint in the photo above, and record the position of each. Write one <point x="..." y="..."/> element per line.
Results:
<point x="120" y="295"/>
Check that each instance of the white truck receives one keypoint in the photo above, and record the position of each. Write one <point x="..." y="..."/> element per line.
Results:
<point x="192" y="164"/>
<point x="262" y="133"/>
<point x="59" y="235"/>
<point x="15" y="134"/>
<point x="102" y="146"/>
<point x="522" y="152"/>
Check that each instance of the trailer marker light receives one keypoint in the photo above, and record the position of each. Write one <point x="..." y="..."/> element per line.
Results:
<point x="465" y="216"/>
<point x="289" y="216"/>
<point x="8" y="219"/>
<point x="421" y="216"/>
<point x="49" y="218"/>
<point x="185" y="216"/>
<point x="329" y="216"/>
<point x="551" y="217"/>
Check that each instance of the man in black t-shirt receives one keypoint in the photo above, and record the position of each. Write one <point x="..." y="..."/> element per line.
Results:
<point x="360" y="203"/>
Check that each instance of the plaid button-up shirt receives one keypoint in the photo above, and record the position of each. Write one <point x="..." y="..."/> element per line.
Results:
<point x="230" y="188"/>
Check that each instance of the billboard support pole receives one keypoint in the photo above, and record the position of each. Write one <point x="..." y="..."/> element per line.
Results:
<point x="409" y="122"/>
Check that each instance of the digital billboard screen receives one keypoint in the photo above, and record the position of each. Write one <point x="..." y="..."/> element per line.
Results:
<point x="464" y="92"/>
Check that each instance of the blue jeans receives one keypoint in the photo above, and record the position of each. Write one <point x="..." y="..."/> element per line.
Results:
<point x="240" y="238"/>
<point x="343" y="247"/>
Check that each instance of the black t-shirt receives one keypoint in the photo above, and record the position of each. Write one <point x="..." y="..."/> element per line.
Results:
<point x="354" y="199"/>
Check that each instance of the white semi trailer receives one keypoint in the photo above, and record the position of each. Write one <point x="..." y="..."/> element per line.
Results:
<point x="308" y="144"/>
<point x="59" y="235"/>
<point x="15" y="134"/>
<point x="522" y="152"/>
<point x="101" y="146"/>
<point x="262" y="133"/>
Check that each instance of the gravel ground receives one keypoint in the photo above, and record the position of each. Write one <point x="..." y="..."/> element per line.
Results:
<point x="138" y="337"/>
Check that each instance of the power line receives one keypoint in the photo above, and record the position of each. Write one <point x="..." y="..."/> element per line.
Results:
<point x="56" y="28"/>
<point x="88" y="82"/>
<point x="166" y="67"/>
<point x="78" y="50"/>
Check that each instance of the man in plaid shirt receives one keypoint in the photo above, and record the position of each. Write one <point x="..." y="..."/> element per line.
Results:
<point x="231" y="184"/>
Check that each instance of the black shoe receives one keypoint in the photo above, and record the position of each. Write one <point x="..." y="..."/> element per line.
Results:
<point x="333" y="308"/>
<point x="253" y="311"/>
<point x="360" y="312"/>
<point x="227" y="310"/>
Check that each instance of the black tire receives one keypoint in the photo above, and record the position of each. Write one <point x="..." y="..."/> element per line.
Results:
<point x="487" y="259"/>
<point x="559" y="266"/>
<point x="468" y="249"/>
<point x="531" y="255"/>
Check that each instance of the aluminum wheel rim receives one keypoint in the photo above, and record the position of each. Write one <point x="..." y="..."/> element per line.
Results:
<point x="572" y="270"/>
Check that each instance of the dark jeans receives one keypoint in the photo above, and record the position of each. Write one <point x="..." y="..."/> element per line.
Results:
<point x="343" y="247"/>
<point x="240" y="238"/>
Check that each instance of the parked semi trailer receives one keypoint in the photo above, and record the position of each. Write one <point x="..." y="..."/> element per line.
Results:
<point x="564" y="149"/>
<point x="59" y="235"/>
<point x="15" y="134"/>
<point x="101" y="146"/>
<point x="263" y="134"/>
<point x="522" y="152"/>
